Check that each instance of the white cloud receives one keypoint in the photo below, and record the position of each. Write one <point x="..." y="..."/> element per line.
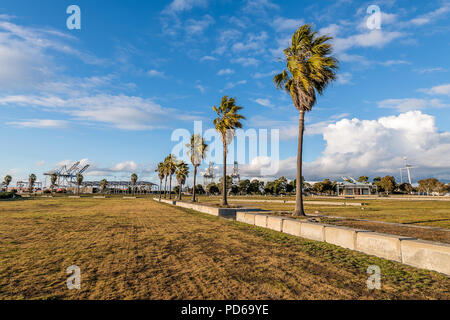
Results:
<point x="394" y="62"/>
<point x="156" y="73"/>
<point x="259" y="7"/>
<point x="120" y="111"/>
<point x="374" y="38"/>
<point x="376" y="147"/>
<point x="231" y="85"/>
<point x="208" y="58"/>
<point x="225" y="72"/>
<point x="431" y="70"/>
<point x="431" y="16"/>
<point x="331" y="30"/>
<point x="201" y="88"/>
<point x="259" y="75"/>
<point x="246" y="61"/>
<point x="177" y="6"/>
<point x="443" y="89"/>
<point x="264" y="102"/>
<point x="286" y="24"/>
<point x="344" y="78"/>
<point x="408" y="104"/>
<point x="39" y="123"/>
<point x="195" y="27"/>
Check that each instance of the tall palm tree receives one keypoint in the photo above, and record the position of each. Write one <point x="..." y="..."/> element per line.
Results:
<point x="103" y="184"/>
<point x="309" y="69"/>
<point x="161" y="175"/>
<point x="6" y="181"/>
<point x="31" y="181"/>
<point x="228" y="119"/>
<point x="134" y="179"/>
<point x="166" y="176"/>
<point x="197" y="152"/>
<point x="171" y="167"/>
<point x="181" y="174"/>
<point x="53" y="179"/>
<point x="79" y="182"/>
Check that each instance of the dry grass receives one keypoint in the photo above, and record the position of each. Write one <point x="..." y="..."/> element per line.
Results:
<point x="140" y="249"/>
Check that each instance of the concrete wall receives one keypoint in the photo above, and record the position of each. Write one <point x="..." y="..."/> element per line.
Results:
<point x="381" y="245"/>
<point x="240" y="216"/>
<point x="275" y="223"/>
<point x="426" y="255"/>
<point x="249" y="218"/>
<point x="313" y="231"/>
<point x="260" y="220"/>
<point x="292" y="227"/>
<point x="342" y="236"/>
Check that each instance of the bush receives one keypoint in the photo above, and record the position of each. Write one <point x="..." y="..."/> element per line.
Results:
<point x="8" y="195"/>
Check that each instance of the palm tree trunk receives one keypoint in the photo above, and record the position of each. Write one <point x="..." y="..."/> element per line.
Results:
<point x="298" y="189"/>
<point x="170" y="187"/>
<point x="179" y="192"/>
<point x="165" y="187"/>
<point x="195" y="178"/>
<point x="224" y="182"/>
<point x="160" y="186"/>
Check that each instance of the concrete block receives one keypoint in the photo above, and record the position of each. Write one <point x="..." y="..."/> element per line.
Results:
<point x="292" y="226"/>
<point x="381" y="245"/>
<point x="249" y="218"/>
<point x="426" y="255"/>
<point x="312" y="231"/>
<point x="342" y="236"/>
<point x="275" y="223"/>
<point x="261" y="220"/>
<point x="240" y="216"/>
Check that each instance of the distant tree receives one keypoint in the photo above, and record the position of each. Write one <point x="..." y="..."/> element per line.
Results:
<point x="53" y="179"/>
<point x="212" y="188"/>
<point x="290" y="187"/>
<point x="171" y="169"/>
<point x="228" y="119"/>
<point x="31" y="181"/>
<point x="388" y="184"/>
<point x="268" y="187"/>
<point x="243" y="186"/>
<point x="234" y="189"/>
<point x="161" y="175"/>
<point x="6" y="181"/>
<point x="199" y="189"/>
<point x="79" y="181"/>
<point x="228" y="184"/>
<point x="134" y="179"/>
<point x="405" y="188"/>
<point x="181" y="174"/>
<point x="376" y="179"/>
<point x="363" y="179"/>
<point x="103" y="184"/>
<point x="431" y="185"/>
<point x="197" y="152"/>
<point x="255" y="187"/>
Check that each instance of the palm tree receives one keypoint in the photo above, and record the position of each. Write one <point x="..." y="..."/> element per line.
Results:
<point x="181" y="175"/>
<point x="227" y="120"/>
<point x="309" y="69"/>
<point x="31" y="181"/>
<point x="197" y="152"/>
<point x="53" y="179"/>
<point x="6" y="181"/>
<point x="171" y="168"/>
<point x="79" y="181"/>
<point x="103" y="184"/>
<point x="161" y="175"/>
<point x="134" y="179"/>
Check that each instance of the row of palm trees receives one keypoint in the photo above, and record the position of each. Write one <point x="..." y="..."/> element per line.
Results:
<point x="310" y="68"/>
<point x="166" y="169"/>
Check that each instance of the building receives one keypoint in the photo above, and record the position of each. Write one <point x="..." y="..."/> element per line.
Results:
<point x="355" y="188"/>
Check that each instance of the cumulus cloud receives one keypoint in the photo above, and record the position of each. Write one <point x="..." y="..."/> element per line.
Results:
<point x="286" y="24"/>
<point x="376" y="147"/>
<point x="225" y="72"/>
<point x="264" y="102"/>
<point x="177" y="6"/>
<point x="156" y="73"/>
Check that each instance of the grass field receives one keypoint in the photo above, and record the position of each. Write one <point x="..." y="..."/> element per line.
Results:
<point x="141" y="249"/>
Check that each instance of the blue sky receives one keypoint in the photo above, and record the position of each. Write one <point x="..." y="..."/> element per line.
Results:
<point x="114" y="91"/>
